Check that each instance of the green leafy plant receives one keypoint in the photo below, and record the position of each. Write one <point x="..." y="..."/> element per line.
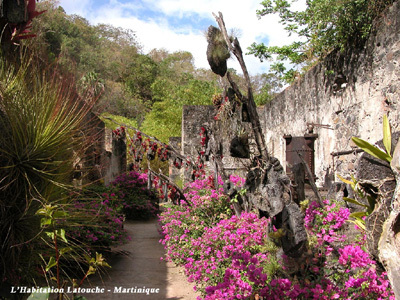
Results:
<point x="41" y="119"/>
<point x="375" y="151"/>
<point x="356" y="186"/>
<point x="94" y="264"/>
<point x="361" y="194"/>
<point x="50" y="223"/>
<point x="50" y="213"/>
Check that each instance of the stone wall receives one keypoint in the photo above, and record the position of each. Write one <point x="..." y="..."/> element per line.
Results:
<point x="349" y="92"/>
<point x="194" y="117"/>
<point x="92" y="160"/>
<point x="346" y="95"/>
<point x="114" y="155"/>
<point x="105" y="154"/>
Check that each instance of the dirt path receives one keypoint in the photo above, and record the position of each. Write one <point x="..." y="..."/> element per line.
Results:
<point x="139" y="272"/>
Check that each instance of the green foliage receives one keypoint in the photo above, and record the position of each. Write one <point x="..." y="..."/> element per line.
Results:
<point x="39" y="296"/>
<point x="118" y="120"/>
<point x="265" y="87"/>
<point x="84" y="50"/>
<point x="141" y="74"/>
<point x="165" y="118"/>
<point x="95" y="263"/>
<point x="387" y="135"/>
<point x="375" y="151"/>
<point x="357" y="187"/>
<point x="371" y="149"/>
<point x="362" y="199"/>
<point x="52" y="216"/>
<point x="73" y="232"/>
<point x="323" y="26"/>
<point x="91" y="84"/>
<point x="148" y="88"/>
<point x="40" y="120"/>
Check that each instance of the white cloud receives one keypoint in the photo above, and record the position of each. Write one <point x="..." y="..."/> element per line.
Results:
<point x="77" y="7"/>
<point x="158" y="33"/>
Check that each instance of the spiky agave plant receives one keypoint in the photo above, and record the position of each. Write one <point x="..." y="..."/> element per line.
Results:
<point x="40" y="128"/>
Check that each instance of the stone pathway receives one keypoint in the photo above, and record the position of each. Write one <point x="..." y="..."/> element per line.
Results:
<point x="139" y="272"/>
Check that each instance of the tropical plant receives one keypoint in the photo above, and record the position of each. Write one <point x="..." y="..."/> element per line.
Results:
<point x="51" y="215"/>
<point x="40" y="119"/>
<point x="375" y="151"/>
<point x="364" y="199"/>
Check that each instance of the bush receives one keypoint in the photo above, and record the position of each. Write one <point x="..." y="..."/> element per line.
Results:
<point x="41" y="118"/>
<point x="130" y="196"/>
<point x="183" y="223"/>
<point x="230" y="257"/>
<point x="98" y="225"/>
<point x="234" y="257"/>
<point x="214" y="246"/>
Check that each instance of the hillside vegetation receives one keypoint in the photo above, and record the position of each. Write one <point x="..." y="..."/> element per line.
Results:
<point x="148" y="88"/>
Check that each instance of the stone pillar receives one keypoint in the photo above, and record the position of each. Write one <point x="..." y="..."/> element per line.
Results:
<point x="193" y="118"/>
<point x="92" y="160"/>
<point x="106" y="157"/>
<point x="117" y="157"/>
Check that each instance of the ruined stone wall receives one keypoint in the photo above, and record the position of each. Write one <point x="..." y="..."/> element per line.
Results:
<point x="350" y="107"/>
<point x="346" y="95"/>
<point x="194" y="117"/>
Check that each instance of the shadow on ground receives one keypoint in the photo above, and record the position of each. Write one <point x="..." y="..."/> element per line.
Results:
<point x="138" y="270"/>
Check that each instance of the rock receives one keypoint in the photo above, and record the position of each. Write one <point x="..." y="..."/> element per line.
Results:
<point x="371" y="169"/>
<point x="266" y="188"/>
<point x="295" y="239"/>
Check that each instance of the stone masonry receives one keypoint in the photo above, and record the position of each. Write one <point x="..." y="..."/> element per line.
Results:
<point x="344" y="96"/>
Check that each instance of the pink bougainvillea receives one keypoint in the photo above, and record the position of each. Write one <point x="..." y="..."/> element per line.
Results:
<point x="230" y="257"/>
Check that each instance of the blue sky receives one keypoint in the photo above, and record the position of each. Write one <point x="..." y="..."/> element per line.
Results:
<point x="179" y="25"/>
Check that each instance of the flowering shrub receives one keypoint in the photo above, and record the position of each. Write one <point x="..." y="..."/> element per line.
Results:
<point x="208" y="207"/>
<point x="230" y="257"/>
<point x="336" y="268"/>
<point x="323" y="224"/>
<point x="346" y="268"/>
<point x="98" y="224"/>
<point x="237" y="180"/>
<point x="131" y="197"/>
<point x="225" y="255"/>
